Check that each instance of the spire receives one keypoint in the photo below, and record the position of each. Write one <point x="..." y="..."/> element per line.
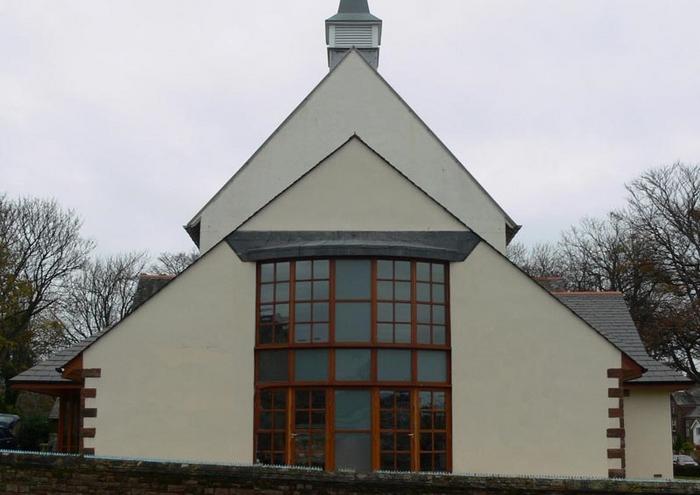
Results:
<point x="353" y="27"/>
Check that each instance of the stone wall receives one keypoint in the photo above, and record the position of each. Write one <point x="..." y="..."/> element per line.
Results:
<point x="42" y="475"/>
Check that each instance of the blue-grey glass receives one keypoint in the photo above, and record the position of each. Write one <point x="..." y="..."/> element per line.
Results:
<point x="302" y="334"/>
<point x="267" y="293"/>
<point x="385" y="269"/>
<point x="423" y="334"/>
<point x="353" y="364"/>
<point x="320" y="333"/>
<point x="352" y="279"/>
<point x="426" y="400"/>
<point x="403" y="334"/>
<point x="402" y="291"/>
<point x="321" y="312"/>
<point x="438" y="293"/>
<point x="423" y="272"/>
<point x="302" y="312"/>
<point x="353" y="451"/>
<point x="353" y="410"/>
<point x="303" y="270"/>
<point x="439" y="335"/>
<point x="273" y="366"/>
<point x="303" y="291"/>
<point x="432" y="366"/>
<point x="282" y="274"/>
<point x="439" y="315"/>
<point x="438" y="272"/>
<point x="402" y="313"/>
<point x="311" y="366"/>
<point x="393" y="366"/>
<point x="385" y="312"/>
<point x="353" y="322"/>
<point x="321" y="291"/>
<point x="439" y="400"/>
<point x="320" y="269"/>
<point x="385" y="332"/>
<point x="266" y="313"/>
<point x="385" y="291"/>
<point x="423" y="313"/>
<point x="282" y="312"/>
<point x="402" y="270"/>
<point x="423" y="292"/>
<point x="282" y="292"/>
<point x="267" y="272"/>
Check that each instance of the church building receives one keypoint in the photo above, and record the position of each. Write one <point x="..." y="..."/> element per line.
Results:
<point x="353" y="308"/>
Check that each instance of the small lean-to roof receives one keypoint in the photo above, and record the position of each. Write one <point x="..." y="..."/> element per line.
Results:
<point x="607" y="312"/>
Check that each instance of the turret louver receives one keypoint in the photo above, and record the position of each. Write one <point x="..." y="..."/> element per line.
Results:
<point x="353" y="27"/>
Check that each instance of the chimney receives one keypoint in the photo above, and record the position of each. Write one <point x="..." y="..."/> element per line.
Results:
<point x="353" y="27"/>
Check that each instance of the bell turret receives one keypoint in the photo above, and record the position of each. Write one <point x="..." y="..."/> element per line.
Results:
<point x="353" y="27"/>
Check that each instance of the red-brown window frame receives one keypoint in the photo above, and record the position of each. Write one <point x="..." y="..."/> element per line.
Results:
<point x="373" y="385"/>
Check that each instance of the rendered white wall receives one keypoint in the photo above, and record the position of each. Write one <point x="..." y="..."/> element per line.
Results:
<point x="352" y="100"/>
<point x="530" y="386"/>
<point x="177" y="375"/>
<point x="648" y="441"/>
<point x="354" y="190"/>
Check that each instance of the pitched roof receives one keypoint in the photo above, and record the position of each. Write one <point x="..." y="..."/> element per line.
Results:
<point x="148" y="286"/>
<point x="353" y="11"/>
<point x="607" y="312"/>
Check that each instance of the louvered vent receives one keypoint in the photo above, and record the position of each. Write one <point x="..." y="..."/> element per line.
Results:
<point x="349" y="36"/>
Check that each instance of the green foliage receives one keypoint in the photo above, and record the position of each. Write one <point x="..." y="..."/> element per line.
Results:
<point x="34" y="430"/>
<point x="683" y="446"/>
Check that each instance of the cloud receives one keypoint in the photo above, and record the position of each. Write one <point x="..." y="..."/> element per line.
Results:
<point x="135" y="112"/>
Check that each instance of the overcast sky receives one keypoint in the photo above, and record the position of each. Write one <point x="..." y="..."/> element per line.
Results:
<point x="134" y="113"/>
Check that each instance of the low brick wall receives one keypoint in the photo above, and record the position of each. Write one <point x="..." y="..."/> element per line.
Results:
<point x="39" y="475"/>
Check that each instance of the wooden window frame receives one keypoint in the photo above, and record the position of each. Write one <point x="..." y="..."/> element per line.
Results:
<point x="373" y="385"/>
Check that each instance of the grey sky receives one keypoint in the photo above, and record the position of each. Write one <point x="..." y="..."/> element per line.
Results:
<point x="134" y="113"/>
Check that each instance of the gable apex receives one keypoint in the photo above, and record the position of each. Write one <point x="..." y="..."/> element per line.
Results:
<point x="353" y="98"/>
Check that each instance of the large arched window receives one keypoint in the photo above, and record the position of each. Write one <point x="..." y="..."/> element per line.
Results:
<point x="353" y="364"/>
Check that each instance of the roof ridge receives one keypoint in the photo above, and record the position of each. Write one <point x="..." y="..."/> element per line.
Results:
<point x="588" y="293"/>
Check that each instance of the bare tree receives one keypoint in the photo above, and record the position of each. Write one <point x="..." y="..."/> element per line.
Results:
<point x="174" y="263"/>
<point x="100" y="295"/>
<point x="541" y="260"/>
<point x="43" y="247"/>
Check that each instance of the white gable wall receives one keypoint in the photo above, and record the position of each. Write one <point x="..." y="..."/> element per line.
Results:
<point x="353" y="99"/>
<point x="354" y="189"/>
<point x="648" y="442"/>
<point x="529" y="378"/>
<point x="177" y="375"/>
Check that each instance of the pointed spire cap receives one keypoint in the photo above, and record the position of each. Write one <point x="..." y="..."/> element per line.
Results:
<point x="353" y="11"/>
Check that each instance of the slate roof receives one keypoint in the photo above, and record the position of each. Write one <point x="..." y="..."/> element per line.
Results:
<point x="353" y="11"/>
<point x="607" y="312"/>
<point x="45" y="371"/>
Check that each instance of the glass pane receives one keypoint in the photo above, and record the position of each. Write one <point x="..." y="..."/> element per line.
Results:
<point x="393" y="366"/>
<point x="321" y="291"/>
<point x="353" y="322"/>
<point x="432" y="366"/>
<point x="439" y="315"/>
<point x="302" y="334"/>
<point x="320" y="332"/>
<point x="265" y="335"/>
<point x="385" y="269"/>
<point x="385" y="332"/>
<point x="385" y="312"/>
<point x="352" y="410"/>
<point x="302" y="312"/>
<point x="282" y="313"/>
<point x="311" y="366"/>
<point x="320" y="312"/>
<point x="439" y="335"/>
<point x="423" y="272"/>
<point x="273" y="366"/>
<point x="423" y="313"/>
<point x="402" y="312"/>
<point x="402" y="270"/>
<point x="267" y="272"/>
<point x="267" y="293"/>
<point x="353" y="451"/>
<point x="282" y="292"/>
<point x="423" y="334"/>
<point x="403" y="291"/>
<point x="320" y="269"/>
<point x="282" y="274"/>
<point x="303" y="271"/>
<point x="438" y="273"/>
<point x="438" y="293"/>
<point x="403" y="334"/>
<point x="352" y="279"/>
<point x="353" y="365"/>
<point x="385" y="291"/>
<point x="423" y="292"/>
<point x="303" y="291"/>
